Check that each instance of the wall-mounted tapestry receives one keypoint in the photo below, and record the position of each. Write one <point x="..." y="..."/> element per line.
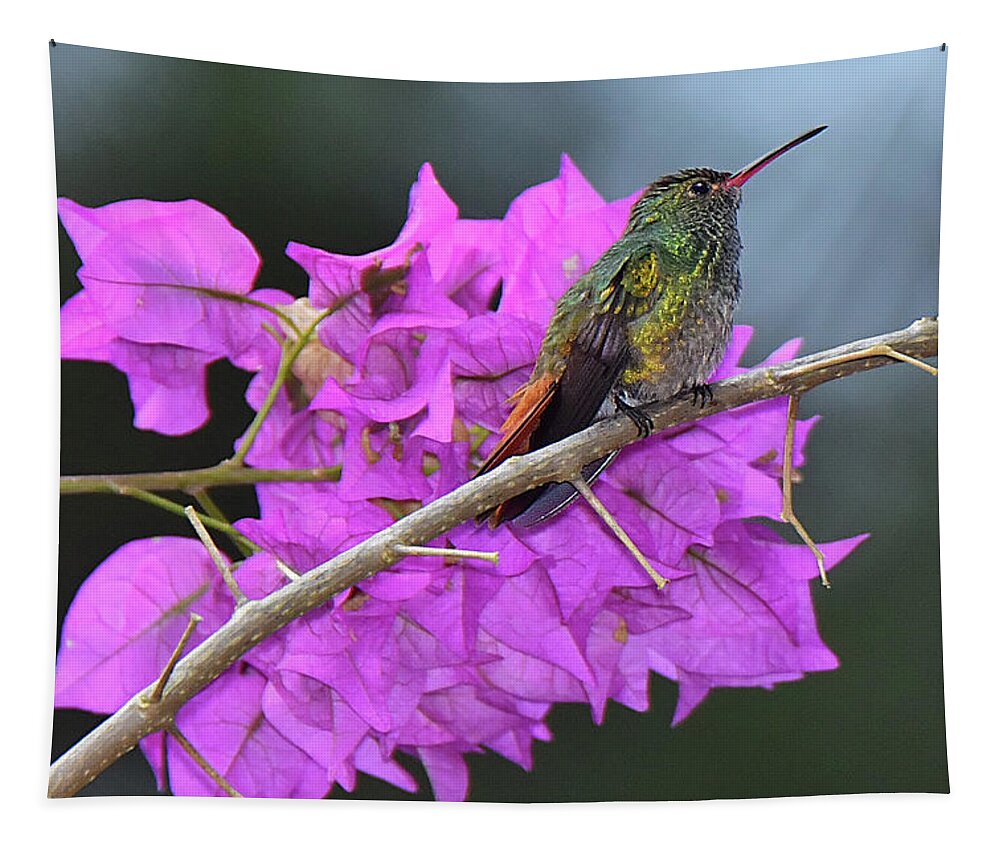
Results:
<point x="504" y="442"/>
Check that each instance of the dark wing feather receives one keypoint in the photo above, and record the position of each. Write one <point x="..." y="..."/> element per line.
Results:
<point x="592" y="367"/>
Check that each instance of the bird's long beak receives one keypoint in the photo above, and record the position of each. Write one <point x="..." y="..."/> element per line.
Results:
<point x="745" y="173"/>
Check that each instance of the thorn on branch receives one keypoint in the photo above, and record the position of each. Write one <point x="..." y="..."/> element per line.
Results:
<point x="285" y="569"/>
<point x="787" y="470"/>
<point x="447" y="552"/>
<point x="157" y="692"/>
<point x="203" y="763"/>
<point x="217" y="556"/>
<point x="878" y="350"/>
<point x="787" y="474"/>
<point x="588" y="494"/>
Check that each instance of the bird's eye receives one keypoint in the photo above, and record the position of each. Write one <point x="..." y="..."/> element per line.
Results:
<point x="700" y="188"/>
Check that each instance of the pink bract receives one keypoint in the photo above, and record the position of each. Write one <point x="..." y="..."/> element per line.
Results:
<point x="432" y="658"/>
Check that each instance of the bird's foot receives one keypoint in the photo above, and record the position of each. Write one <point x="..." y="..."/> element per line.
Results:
<point x="643" y="422"/>
<point x="701" y="394"/>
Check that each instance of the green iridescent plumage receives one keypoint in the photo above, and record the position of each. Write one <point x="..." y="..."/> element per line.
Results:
<point x="672" y="279"/>
<point x="650" y="319"/>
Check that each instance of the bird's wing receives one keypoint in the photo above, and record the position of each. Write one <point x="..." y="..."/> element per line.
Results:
<point x="593" y="365"/>
<point x="554" y="407"/>
<point x="633" y="290"/>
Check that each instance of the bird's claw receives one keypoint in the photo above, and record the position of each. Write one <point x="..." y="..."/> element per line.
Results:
<point x="701" y="394"/>
<point x="642" y="421"/>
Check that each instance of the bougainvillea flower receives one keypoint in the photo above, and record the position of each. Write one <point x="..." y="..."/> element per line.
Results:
<point x="110" y="650"/>
<point x="553" y="233"/>
<point x="366" y="288"/>
<point x="401" y="377"/>
<point x="159" y="279"/>
<point x="403" y="386"/>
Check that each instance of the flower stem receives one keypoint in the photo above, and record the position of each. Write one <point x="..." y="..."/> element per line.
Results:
<point x="221" y="475"/>
<point x="290" y="351"/>
<point x="175" y="508"/>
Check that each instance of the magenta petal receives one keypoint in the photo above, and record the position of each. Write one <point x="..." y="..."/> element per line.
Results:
<point x="494" y="720"/>
<point x="752" y="619"/>
<point x="541" y="207"/>
<point x="452" y="615"/>
<point x="312" y="716"/>
<point x="170" y="241"/>
<point x="554" y="233"/>
<point x="447" y="771"/>
<point x="302" y="713"/>
<point x="580" y="556"/>
<point x="394" y="401"/>
<point x="440" y="419"/>
<point x="370" y="760"/>
<point x="371" y="464"/>
<point x="259" y="576"/>
<point x="152" y="272"/>
<point x="538" y="629"/>
<point x="84" y="334"/>
<point x="693" y="689"/>
<point x="448" y="316"/>
<point x="351" y="667"/>
<point x="167" y="385"/>
<point x="742" y="334"/>
<point x="333" y="397"/>
<point x="672" y="500"/>
<point x="784" y="352"/>
<point x="530" y="677"/>
<point x="128" y="616"/>
<point x="228" y="727"/>
<point x="305" y="524"/>
<point x="139" y="256"/>
<point x="492" y="356"/>
<point x="464" y="261"/>
<point x="335" y="276"/>
<point x="392" y="586"/>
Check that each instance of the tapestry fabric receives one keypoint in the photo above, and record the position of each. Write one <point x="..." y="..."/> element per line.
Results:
<point x="307" y="321"/>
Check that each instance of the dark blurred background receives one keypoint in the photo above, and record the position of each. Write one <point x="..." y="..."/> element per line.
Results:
<point x="841" y="242"/>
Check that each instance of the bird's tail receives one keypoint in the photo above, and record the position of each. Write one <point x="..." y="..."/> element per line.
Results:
<point x="548" y="500"/>
<point x="542" y="503"/>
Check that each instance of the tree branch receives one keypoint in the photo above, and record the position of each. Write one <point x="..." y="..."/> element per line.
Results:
<point x="258" y="619"/>
<point x="221" y="475"/>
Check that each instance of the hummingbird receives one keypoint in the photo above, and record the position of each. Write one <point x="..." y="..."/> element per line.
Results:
<point x="650" y="320"/>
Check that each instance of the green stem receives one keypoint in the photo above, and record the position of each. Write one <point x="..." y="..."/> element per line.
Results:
<point x="288" y="355"/>
<point x="175" y="508"/>
<point x="212" y="509"/>
<point x="221" y="475"/>
<point x="208" y="504"/>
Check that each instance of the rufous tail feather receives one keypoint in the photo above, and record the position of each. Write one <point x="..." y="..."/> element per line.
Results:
<point x="532" y="400"/>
